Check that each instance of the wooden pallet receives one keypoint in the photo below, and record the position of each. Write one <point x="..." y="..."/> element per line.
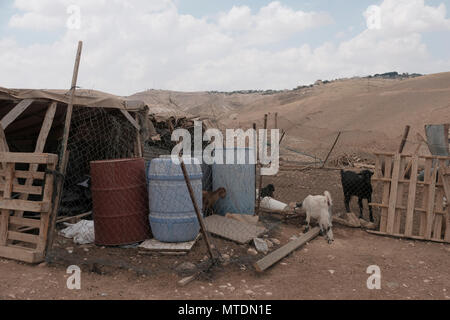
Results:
<point x="411" y="208"/>
<point x="16" y="186"/>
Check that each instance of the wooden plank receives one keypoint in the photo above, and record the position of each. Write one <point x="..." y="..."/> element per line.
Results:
<point x="279" y="254"/>
<point x="400" y="196"/>
<point x="402" y="236"/>
<point x="25" y="237"/>
<point x="437" y="226"/>
<point x="139" y="145"/>
<point x="446" y="185"/>
<point x="430" y="207"/>
<point x="131" y="119"/>
<point x="411" y="197"/>
<point x="232" y="229"/>
<point x="393" y="195"/>
<point x="56" y="202"/>
<point x="26" y="174"/>
<point x="69" y="112"/>
<point x="33" y="223"/>
<point x="21" y="254"/>
<point x="15" y="113"/>
<point x="31" y="206"/>
<point x="427" y="180"/>
<point x="4" y="219"/>
<point x="38" y="158"/>
<point x="20" y="188"/>
<point x="45" y="218"/>
<point x="386" y="190"/>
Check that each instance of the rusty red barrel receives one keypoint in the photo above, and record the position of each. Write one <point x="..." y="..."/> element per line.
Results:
<point x="120" y="199"/>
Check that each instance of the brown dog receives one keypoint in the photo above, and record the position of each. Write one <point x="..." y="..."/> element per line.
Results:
<point x="210" y="199"/>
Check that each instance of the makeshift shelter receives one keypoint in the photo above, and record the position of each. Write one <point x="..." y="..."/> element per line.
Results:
<point x="103" y="127"/>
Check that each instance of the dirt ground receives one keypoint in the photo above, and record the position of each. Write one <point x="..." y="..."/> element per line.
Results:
<point x="409" y="269"/>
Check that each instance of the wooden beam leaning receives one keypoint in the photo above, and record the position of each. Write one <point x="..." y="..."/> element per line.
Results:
<point x="15" y="113"/>
<point x="70" y="105"/>
<point x="131" y="119"/>
<point x="279" y="254"/>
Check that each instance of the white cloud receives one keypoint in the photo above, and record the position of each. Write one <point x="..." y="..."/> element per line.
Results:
<point x="132" y="45"/>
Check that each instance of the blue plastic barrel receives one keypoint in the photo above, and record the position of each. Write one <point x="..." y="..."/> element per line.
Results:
<point x="239" y="181"/>
<point x="172" y="215"/>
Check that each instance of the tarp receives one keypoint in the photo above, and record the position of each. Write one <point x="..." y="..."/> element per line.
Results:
<point x="83" y="98"/>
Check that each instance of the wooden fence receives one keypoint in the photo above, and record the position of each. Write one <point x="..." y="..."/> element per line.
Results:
<point x="412" y="208"/>
<point x="16" y="186"/>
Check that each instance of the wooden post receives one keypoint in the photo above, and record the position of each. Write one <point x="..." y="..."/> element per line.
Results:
<point x="331" y="150"/>
<point x="197" y="210"/>
<point x="139" y="146"/>
<point x="54" y="213"/>
<point x="276" y="120"/>
<point x="405" y="137"/>
<point x="282" y="136"/>
<point x="260" y="171"/>
<point x="256" y="161"/>
<point x="70" y="106"/>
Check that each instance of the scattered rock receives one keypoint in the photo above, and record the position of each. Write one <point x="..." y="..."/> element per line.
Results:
<point x="252" y="251"/>
<point x="392" y="285"/>
<point x="269" y="243"/>
<point x="225" y="257"/>
<point x="186" y="267"/>
<point x="249" y="292"/>
<point x="427" y="281"/>
<point x="293" y="238"/>
<point x="269" y="294"/>
<point x="185" y="281"/>
<point x="43" y="265"/>
<point x="261" y="245"/>
<point x="331" y="271"/>
<point x="275" y="241"/>
<point x="11" y="296"/>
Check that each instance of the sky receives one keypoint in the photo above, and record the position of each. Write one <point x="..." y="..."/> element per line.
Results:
<point x="203" y="45"/>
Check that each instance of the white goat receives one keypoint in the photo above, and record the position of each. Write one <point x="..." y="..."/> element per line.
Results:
<point x="319" y="208"/>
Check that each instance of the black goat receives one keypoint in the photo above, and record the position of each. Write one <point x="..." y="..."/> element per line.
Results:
<point x="268" y="191"/>
<point x="359" y="185"/>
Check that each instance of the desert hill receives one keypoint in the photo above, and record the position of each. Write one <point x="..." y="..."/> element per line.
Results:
<point x="371" y="113"/>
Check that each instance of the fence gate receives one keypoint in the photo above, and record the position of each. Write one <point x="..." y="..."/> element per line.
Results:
<point x="26" y="204"/>
<point x="414" y="202"/>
